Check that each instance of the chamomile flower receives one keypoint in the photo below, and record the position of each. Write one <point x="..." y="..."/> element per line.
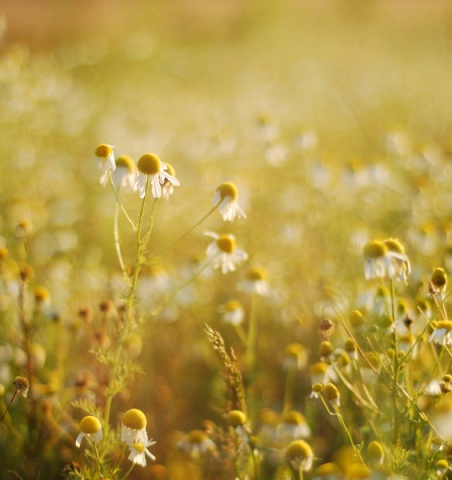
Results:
<point x="91" y="429"/>
<point x="255" y="281"/>
<point x="232" y="312"/>
<point x="300" y="455"/>
<point x="223" y="253"/>
<point x="168" y="187"/>
<point x="381" y="262"/>
<point x="442" y="332"/>
<point x="226" y="195"/>
<point x="293" y="427"/>
<point x="133" y="427"/>
<point x="105" y="157"/>
<point x="139" y="452"/>
<point x="150" y="166"/>
<point x="400" y="262"/>
<point x="124" y="175"/>
<point x="197" y="444"/>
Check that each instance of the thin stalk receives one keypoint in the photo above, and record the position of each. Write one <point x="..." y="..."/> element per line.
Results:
<point x="118" y="200"/>
<point x="171" y="245"/>
<point x="9" y="406"/>
<point x="117" y="243"/>
<point x="252" y="335"/>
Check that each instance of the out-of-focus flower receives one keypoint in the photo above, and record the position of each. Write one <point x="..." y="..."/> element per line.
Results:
<point x="332" y="394"/>
<point x="442" y="332"/>
<point x="150" y="166"/>
<point x="438" y="281"/>
<point x="105" y="157"/>
<point x="22" y="385"/>
<point x="375" y="453"/>
<point x="237" y="420"/>
<point x="255" y="281"/>
<point x="295" y="356"/>
<point x="133" y="427"/>
<point x="91" y="429"/>
<point x="226" y="195"/>
<point x="223" y="253"/>
<point x="327" y="471"/>
<point x="196" y="443"/>
<point x="293" y="427"/>
<point x="139" y="452"/>
<point x="300" y="455"/>
<point x="168" y="187"/>
<point x="124" y="175"/>
<point x="232" y="312"/>
<point x="400" y="262"/>
<point x="380" y="262"/>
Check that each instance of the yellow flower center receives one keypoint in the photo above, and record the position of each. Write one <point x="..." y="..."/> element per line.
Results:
<point x="41" y="294"/>
<point x="196" y="436"/>
<point x="138" y="446"/>
<point x="293" y="418"/>
<point x="299" y="448"/>
<point x="226" y="243"/>
<point x="232" y="305"/>
<point x="375" y="450"/>
<point x="256" y="274"/>
<point x="125" y="162"/>
<point x="446" y="324"/>
<point x="170" y="169"/>
<point x="103" y="151"/>
<point x="236" y="418"/>
<point x="318" y="368"/>
<point x="149" y="164"/>
<point x="90" y="425"/>
<point x="439" y="277"/>
<point x="331" y="392"/>
<point x="134" y="419"/>
<point x="228" y="189"/>
<point x="393" y="245"/>
<point x="374" y="249"/>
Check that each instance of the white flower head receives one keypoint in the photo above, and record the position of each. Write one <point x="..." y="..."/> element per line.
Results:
<point x="197" y="444"/>
<point x="293" y="427"/>
<point x="91" y="429"/>
<point x="300" y="455"/>
<point x="222" y="252"/>
<point x="139" y="452"/>
<point x="168" y="187"/>
<point x="382" y="262"/>
<point x="232" y="312"/>
<point x="151" y="167"/>
<point x="226" y="196"/>
<point x="133" y="427"/>
<point x="124" y="175"/>
<point x="255" y="281"/>
<point x="105" y="157"/>
<point x="442" y="333"/>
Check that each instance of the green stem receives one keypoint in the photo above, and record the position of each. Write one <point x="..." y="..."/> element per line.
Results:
<point x="119" y="201"/>
<point x="252" y="336"/>
<point x="117" y="243"/>
<point x="99" y="460"/>
<point x="129" y="471"/>
<point x="171" y="245"/>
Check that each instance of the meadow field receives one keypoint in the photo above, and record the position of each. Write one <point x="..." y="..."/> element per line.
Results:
<point x="225" y="240"/>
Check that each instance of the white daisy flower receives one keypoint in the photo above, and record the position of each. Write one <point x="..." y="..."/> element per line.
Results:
<point x="105" y="157"/>
<point x="168" y="187"/>
<point x="256" y="281"/>
<point x="293" y="427"/>
<point x="124" y="175"/>
<point x="232" y="312"/>
<point x="150" y="166"/>
<point x="226" y="195"/>
<point x="442" y="333"/>
<point x="91" y="429"/>
<point x="133" y="427"/>
<point x="197" y="444"/>
<point x="381" y="262"/>
<point x="139" y="452"/>
<point x="222" y="253"/>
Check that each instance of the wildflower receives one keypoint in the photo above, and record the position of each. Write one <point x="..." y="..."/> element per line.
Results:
<point x="41" y="296"/>
<point x="295" y="356"/>
<point x="356" y="319"/>
<point x="321" y="372"/>
<point x="150" y="166"/>
<point x="139" y="452"/>
<point x="332" y="394"/>
<point x="223" y="252"/>
<point x="325" y="350"/>
<point x="237" y="420"/>
<point x="91" y="429"/>
<point x="327" y="471"/>
<point x="256" y="281"/>
<point x="133" y="427"/>
<point x="400" y="262"/>
<point x="317" y="389"/>
<point x="376" y="453"/>
<point x="442" y="332"/>
<point x="438" y="281"/>
<point x="300" y="455"/>
<point x="22" y="386"/>
<point x="233" y="312"/>
<point x="381" y="262"/>
<point x="226" y="196"/>
<point x="326" y="329"/>
<point x="350" y="349"/>
<point x="197" y="443"/>
<point x="105" y="157"/>
<point x="168" y="187"/>
<point x="442" y="420"/>
<point x="441" y="467"/>
<point x="124" y="174"/>
<point x="293" y="426"/>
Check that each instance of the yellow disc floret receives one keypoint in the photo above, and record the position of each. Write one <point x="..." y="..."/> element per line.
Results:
<point x="299" y="448"/>
<point x="103" y="151"/>
<point x="124" y="161"/>
<point x="134" y="419"/>
<point x="236" y="418"/>
<point x="228" y="189"/>
<point x="293" y="417"/>
<point x="375" y="451"/>
<point x="331" y="392"/>
<point x="149" y="164"/>
<point x="439" y="278"/>
<point x="226" y="243"/>
<point x="256" y="274"/>
<point x="90" y="425"/>
<point x="374" y="249"/>
<point x="196" y="437"/>
<point x="394" y="245"/>
<point x="138" y="446"/>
